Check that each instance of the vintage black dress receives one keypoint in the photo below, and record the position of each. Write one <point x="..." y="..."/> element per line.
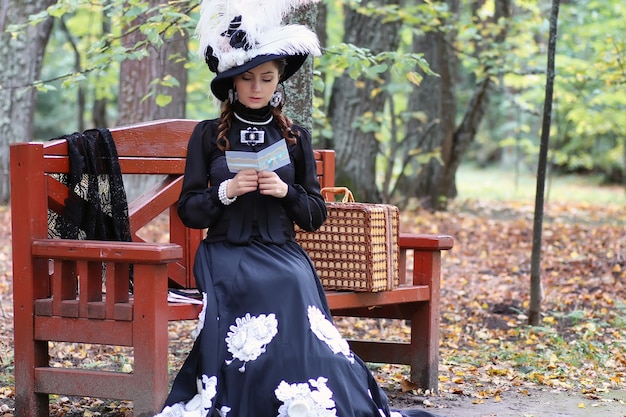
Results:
<point x="265" y="345"/>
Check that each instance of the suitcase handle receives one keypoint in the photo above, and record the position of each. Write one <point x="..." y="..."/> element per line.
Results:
<point x="347" y="194"/>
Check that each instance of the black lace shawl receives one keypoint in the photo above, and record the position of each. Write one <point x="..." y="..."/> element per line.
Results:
<point x="96" y="207"/>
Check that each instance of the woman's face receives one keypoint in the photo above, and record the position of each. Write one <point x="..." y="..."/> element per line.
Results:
<point x="256" y="86"/>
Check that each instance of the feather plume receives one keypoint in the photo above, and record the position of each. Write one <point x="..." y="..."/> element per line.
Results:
<point x="260" y="22"/>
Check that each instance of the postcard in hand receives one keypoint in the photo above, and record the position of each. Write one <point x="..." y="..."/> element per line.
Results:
<point x="269" y="159"/>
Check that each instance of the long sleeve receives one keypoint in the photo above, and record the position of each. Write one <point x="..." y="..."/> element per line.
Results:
<point x="199" y="206"/>
<point x="304" y="203"/>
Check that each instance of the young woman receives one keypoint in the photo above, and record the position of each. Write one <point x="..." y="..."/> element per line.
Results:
<point x="265" y="345"/>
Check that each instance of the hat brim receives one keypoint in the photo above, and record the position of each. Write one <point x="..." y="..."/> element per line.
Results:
<point x="224" y="80"/>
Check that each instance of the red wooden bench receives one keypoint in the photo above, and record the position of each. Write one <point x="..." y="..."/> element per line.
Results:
<point x="58" y="290"/>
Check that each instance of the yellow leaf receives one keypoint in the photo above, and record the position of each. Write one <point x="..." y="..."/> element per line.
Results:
<point x="581" y="405"/>
<point x="414" y="78"/>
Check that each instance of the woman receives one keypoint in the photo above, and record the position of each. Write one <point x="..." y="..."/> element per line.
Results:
<point x="265" y="345"/>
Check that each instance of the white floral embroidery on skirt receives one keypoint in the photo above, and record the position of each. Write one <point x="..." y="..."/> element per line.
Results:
<point x="328" y="333"/>
<point x="248" y="338"/>
<point x="299" y="400"/>
<point x="200" y="404"/>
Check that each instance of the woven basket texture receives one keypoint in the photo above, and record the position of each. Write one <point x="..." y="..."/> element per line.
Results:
<point x="357" y="247"/>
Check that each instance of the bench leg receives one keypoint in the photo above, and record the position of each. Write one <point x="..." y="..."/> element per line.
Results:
<point x="425" y="321"/>
<point x="151" y="342"/>
<point x="425" y="348"/>
<point x="28" y="355"/>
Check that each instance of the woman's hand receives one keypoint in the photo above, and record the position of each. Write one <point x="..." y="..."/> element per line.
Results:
<point x="271" y="184"/>
<point x="244" y="182"/>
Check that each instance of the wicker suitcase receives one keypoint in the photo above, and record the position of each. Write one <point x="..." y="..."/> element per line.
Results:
<point x="357" y="247"/>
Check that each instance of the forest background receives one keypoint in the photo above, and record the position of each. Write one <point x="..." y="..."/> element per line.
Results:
<point x="422" y="100"/>
<point x="405" y="91"/>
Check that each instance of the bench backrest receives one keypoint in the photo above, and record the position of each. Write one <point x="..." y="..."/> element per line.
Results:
<point x="154" y="148"/>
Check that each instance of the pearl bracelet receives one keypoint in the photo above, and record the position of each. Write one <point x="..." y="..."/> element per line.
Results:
<point x="222" y="194"/>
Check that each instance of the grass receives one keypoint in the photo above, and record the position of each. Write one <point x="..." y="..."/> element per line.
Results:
<point x="495" y="183"/>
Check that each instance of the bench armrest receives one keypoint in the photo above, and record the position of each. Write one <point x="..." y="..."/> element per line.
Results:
<point x="96" y="250"/>
<point x="425" y="242"/>
<point x="420" y="258"/>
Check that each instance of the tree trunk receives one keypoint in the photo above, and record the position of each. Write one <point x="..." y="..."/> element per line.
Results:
<point x="454" y="151"/>
<point x="356" y="150"/>
<point x="436" y="181"/>
<point x="99" y="105"/>
<point x="20" y="67"/>
<point x="299" y="88"/>
<point x="436" y="99"/>
<point x="140" y="85"/>
<point x="139" y="79"/>
<point x="536" y="293"/>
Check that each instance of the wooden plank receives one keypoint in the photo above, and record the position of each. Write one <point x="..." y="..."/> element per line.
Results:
<point x="382" y="351"/>
<point x="180" y="311"/>
<point x="87" y="383"/>
<point x="427" y="242"/>
<point x="93" y="250"/>
<point x="82" y="330"/>
<point x="144" y="139"/>
<point x="346" y="300"/>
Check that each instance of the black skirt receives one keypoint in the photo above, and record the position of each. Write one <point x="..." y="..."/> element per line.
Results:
<point x="265" y="344"/>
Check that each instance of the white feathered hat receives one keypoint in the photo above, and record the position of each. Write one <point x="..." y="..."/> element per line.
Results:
<point x="237" y="35"/>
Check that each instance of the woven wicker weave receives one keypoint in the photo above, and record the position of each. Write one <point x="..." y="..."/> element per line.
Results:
<point x="357" y="247"/>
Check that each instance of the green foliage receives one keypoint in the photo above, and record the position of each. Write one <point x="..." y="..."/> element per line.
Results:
<point x="589" y="118"/>
<point x="89" y="41"/>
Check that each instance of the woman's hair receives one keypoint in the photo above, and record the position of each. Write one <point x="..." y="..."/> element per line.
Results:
<point x="284" y="123"/>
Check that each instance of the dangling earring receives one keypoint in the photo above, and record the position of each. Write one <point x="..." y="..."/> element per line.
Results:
<point x="232" y="96"/>
<point x="276" y="99"/>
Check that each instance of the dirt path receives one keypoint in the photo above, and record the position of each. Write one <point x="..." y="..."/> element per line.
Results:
<point x="535" y="403"/>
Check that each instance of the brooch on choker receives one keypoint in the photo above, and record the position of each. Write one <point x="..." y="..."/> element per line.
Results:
<point x="252" y="136"/>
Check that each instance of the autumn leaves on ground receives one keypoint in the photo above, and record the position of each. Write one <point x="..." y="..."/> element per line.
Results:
<point x="487" y="350"/>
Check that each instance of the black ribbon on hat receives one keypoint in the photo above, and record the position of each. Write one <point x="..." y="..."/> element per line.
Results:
<point x="238" y="37"/>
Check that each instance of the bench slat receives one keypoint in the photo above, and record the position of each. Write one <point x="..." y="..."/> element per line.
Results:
<point x="88" y="383"/>
<point x="82" y="330"/>
<point x="338" y="300"/>
<point x="93" y="250"/>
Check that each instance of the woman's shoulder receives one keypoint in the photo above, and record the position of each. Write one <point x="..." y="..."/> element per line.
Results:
<point x="208" y="123"/>
<point x="206" y="128"/>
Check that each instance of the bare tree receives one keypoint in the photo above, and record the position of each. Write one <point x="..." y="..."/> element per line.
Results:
<point x="536" y="296"/>
<point x="20" y="67"/>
